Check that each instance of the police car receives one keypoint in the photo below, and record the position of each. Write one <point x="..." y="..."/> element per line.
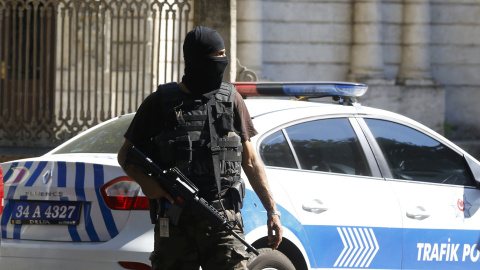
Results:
<point x="357" y="187"/>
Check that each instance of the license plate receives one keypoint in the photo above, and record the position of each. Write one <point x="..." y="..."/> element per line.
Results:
<point x="46" y="212"/>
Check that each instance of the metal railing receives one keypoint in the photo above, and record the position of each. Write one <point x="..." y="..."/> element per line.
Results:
<point x="69" y="65"/>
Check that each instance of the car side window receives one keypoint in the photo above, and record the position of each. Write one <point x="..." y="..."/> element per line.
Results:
<point x="412" y="155"/>
<point x="328" y="145"/>
<point x="274" y="151"/>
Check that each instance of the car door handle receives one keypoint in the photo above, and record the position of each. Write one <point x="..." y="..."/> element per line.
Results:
<point x="315" y="206"/>
<point x="418" y="213"/>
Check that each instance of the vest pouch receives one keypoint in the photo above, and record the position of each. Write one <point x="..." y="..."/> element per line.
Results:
<point x="224" y="122"/>
<point x="237" y="193"/>
<point x="202" y="160"/>
<point x="230" y="168"/>
<point x="230" y="155"/>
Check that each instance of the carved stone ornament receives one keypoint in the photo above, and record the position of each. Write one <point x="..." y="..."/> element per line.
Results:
<point x="244" y="74"/>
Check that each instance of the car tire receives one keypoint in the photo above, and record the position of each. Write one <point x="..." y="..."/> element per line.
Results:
<point x="269" y="259"/>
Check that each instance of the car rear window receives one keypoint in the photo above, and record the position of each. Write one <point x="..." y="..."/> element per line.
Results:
<point x="276" y="152"/>
<point x="106" y="139"/>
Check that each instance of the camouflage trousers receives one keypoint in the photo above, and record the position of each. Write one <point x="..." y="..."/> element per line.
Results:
<point x="193" y="243"/>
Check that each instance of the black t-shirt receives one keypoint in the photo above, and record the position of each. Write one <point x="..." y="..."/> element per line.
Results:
<point x="148" y="120"/>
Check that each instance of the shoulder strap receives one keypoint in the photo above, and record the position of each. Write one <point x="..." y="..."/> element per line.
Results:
<point x="171" y="97"/>
<point x="225" y="98"/>
<point x="226" y="94"/>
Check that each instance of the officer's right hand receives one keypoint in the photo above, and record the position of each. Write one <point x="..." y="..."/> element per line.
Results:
<point x="153" y="190"/>
<point x="162" y="193"/>
<point x="274" y="225"/>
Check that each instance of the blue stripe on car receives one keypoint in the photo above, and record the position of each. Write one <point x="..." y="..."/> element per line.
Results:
<point x="80" y="181"/>
<point x="13" y="188"/>
<point x="440" y="249"/>
<point x="61" y="183"/>
<point x="7" y="213"/>
<point x="356" y="247"/>
<point x="36" y="174"/>
<point x="62" y="174"/>
<point x="72" y="229"/>
<point x="9" y="172"/>
<point x="92" y="234"/>
<point x="393" y="248"/>
<point x="99" y="180"/>
<point x="80" y="191"/>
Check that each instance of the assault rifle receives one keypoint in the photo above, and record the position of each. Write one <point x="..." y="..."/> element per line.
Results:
<point x="184" y="192"/>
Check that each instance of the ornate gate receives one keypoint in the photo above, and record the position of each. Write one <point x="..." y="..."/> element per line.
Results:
<point x="68" y="65"/>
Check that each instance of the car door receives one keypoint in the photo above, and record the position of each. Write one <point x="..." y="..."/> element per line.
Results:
<point x="349" y="213"/>
<point x="438" y="197"/>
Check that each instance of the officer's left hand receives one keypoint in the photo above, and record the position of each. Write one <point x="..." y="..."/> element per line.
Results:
<point x="274" y="225"/>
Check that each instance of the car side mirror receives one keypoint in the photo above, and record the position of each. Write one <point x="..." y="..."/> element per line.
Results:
<point x="474" y="168"/>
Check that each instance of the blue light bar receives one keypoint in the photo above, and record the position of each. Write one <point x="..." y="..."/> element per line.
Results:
<point x="306" y="89"/>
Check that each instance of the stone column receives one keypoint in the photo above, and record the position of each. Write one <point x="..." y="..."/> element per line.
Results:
<point x="415" y="61"/>
<point x="366" y="54"/>
<point x="250" y="37"/>
<point x="221" y="15"/>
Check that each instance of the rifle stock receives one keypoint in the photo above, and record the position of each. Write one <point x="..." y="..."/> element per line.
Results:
<point x="184" y="192"/>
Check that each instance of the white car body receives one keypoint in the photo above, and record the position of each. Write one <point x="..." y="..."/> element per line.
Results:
<point x="331" y="220"/>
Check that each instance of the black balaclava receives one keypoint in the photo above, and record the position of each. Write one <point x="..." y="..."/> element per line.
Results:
<point x="203" y="73"/>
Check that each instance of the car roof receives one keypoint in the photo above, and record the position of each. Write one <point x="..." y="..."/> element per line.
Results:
<point x="268" y="112"/>
<point x="260" y="106"/>
<point x="263" y="106"/>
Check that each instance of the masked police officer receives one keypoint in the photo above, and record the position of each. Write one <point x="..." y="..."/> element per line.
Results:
<point x="200" y="125"/>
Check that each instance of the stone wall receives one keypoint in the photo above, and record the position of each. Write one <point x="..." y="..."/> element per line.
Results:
<point x="408" y="48"/>
<point x="295" y="40"/>
<point x="455" y="56"/>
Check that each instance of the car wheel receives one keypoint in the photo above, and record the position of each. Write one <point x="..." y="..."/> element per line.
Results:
<point x="270" y="260"/>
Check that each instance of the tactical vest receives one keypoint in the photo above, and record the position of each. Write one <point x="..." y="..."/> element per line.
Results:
<point x="198" y="135"/>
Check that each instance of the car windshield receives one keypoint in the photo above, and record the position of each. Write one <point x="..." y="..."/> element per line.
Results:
<point x="106" y="139"/>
